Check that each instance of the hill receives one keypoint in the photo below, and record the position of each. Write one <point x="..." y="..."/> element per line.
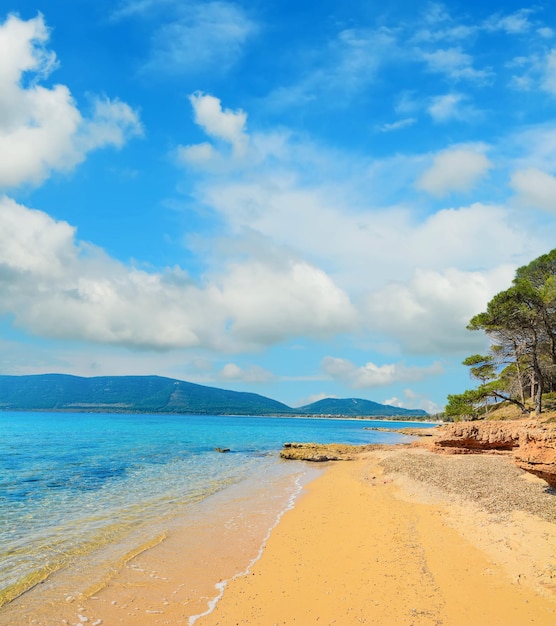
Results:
<point x="156" y="394"/>
<point x="130" y="394"/>
<point x="357" y="407"/>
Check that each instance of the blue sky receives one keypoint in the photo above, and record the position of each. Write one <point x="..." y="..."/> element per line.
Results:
<point x="296" y="199"/>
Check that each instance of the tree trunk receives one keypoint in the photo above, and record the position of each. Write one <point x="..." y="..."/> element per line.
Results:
<point x="519" y="375"/>
<point x="538" y="376"/>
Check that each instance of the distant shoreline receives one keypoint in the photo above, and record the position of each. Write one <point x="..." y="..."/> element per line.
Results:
<point x="105" y="410"/>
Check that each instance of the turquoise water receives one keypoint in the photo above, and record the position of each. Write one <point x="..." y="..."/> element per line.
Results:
<point x="72" y="483"/>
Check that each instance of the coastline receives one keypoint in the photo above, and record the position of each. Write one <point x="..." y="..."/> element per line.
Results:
<point x="366" y="542"/>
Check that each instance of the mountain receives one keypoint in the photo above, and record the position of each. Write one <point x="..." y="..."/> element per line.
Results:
<point x="357" y="407"/>
<point x="130" y="394"/>
<point x="156" y="394"/>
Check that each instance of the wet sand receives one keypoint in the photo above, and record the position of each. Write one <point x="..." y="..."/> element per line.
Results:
<point x="363" y="545"/>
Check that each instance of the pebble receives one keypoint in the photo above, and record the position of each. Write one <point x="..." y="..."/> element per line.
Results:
<point x="490" y="480"/>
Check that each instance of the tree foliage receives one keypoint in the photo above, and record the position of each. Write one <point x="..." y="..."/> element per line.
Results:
<point x="521" y="325"/>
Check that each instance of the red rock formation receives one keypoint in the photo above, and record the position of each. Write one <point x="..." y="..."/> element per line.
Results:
<point x="532" y="442"/>
<point x="537" y="453"/>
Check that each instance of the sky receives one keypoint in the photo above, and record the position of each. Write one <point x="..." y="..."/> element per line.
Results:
<point x="301" y="200"/>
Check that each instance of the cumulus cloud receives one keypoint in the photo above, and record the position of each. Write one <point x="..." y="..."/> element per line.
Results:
<point x="41" y="129"/>
<point x="269" y="302"/>
<point x="56" y="286"/>
<point x="429" y="313"/>
<point x="535" y="189"/>
<point x="223" y="125"/>
<point x="371" y="375"/>
<point x="364" y="253"/>
<point x="455" y="169"/>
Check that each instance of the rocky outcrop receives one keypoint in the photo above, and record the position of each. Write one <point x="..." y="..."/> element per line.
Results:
<point x="476" y="436"/>
<point x="318" y="452"/>
<point x="532" y="443"/>
<point x="537" y="453"/>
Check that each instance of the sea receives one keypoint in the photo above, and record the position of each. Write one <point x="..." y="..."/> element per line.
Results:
<point x="81" y="492"/>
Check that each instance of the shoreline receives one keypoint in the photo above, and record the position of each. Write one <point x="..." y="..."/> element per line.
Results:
<point x="367" y="545"/>
<point x="360" y="515"/>
<point x="178" y="565"/>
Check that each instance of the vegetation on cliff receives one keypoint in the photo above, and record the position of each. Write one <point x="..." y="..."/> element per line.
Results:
<point x="520" y="367"/>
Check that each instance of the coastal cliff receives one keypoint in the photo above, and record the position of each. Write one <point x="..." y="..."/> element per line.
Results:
<point x="531" y="441"/>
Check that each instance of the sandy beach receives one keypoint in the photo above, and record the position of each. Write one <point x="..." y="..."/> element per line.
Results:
<point x="399" y="536"/>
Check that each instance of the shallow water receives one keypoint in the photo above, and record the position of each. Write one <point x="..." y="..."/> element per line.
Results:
<point x="75" y="488"/>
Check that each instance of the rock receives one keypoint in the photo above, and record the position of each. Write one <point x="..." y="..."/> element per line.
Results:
<point x="222" y="449"/>
<point x="483" y="435"/>
<point x="532" y="442"/>
<point x="319" y="453"/>
<point x="537" y="453"/>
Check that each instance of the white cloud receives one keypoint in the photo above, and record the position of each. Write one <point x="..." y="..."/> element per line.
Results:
<point x="270" y="207"/>
<point x="429" y="313"/>
<point x="195" y="37"/>
<point x="339" y="69"/>
<point x="549" y="81"/>
<point x="251" y="374"/>
<point x="271" y="301"/>
<point x="535" y="147"/>
<point x="455" y="64"/>
<point x="514" y="24"/>
<point x="535" y="189"/>
<point x="216" y="122"/>
<point x="127" y="8"/>
<point x="455" y="169"/>
<point x="371" y="375"/>
<point x="312" y="398"/>
<point x="271" y="193"/>
<point x="222" y="124"/>
<point x="448" y="107"/>
<point x="400" y="124"/>
<point x="58" y="287"/>
<point x="41" y="130"/>
<point x="412" y="400"/>
<point x="545" y="32"/>
<point x="112" y="123"/>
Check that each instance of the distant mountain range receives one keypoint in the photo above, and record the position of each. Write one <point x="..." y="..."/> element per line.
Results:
<point x="156" y="394"/>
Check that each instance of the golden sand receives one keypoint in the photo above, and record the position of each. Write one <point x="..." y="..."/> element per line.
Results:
<point x="360" y="550"/>
<point x="361" y="546"/>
